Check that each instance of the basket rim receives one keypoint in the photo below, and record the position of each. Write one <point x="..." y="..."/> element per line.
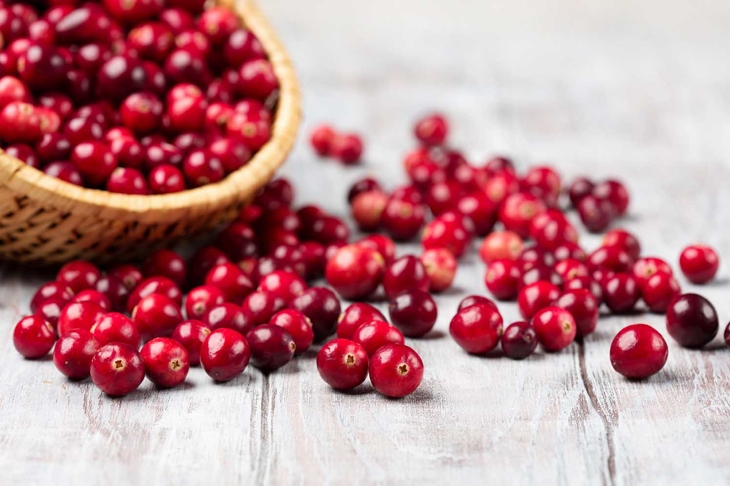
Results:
<point x="35" y="184"/>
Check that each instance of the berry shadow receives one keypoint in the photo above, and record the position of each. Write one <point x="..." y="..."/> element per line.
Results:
<point x="433" y="335"/>
<point x="364" y="389"/>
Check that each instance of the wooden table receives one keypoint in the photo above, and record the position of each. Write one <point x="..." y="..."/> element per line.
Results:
<point x="634" y="89"/>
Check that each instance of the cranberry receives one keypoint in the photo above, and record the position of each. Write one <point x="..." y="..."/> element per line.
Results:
<point x="50" y="290"/>
<point x="477" y="328"/>
<point x="42" y="67"/>
<point x="94" y="296"/>
<point x="382" y="244"/>
<point x="348" y="148"/>
<point x="405" y="273"/>
<point x="23" y="153"/>
<point x="376" y="334"/>
<point x="231" y="280"/>
<point x="355" y="271"/>
<point x="95" y="161"/>
<point x="621" y="292"/>
<point x="580" y="188"/>
<point x="367" y="210"/>
<point x="115" y="328"/>
<point x="156" y="316"/>
<point x="296" y="324"/>
<point x="229" y="316"/>
<point x="187" y="114"/>
<point x="224" y="354"/>
<point x="65" y="171"/>
<point x="321" y="139"/>
<point x="440" y="265"/>
<point x="342" y="364"/>
<point x="570" y="268"/>
<point x="659" y="291"/>
<point x="535" y="257"/>
<point x="202" y="262"/>
<point x="444" y="196"/>
<point x="544" y="183"/>
<point x="271" y="347"/>
<point x="431" y="130"/>
<point x="519" y="340"/>
<point x="569" y="250"/>
<point x="124" y="180"/>
<point x="534" y="297"/>
<point x="260" y="306"/>
<point x="414" y="312"/>
<point x="503" y="279"/>
<point x="596" y="214"/>
<point x="443" y="233"/>
<point x="328" y="229"/>
<point x="141" y="112"/>
<point x="500" y="186"/>
<point x="367" y="184"/>
<point x="625" y="240"/>
<point x="117" y="369"/>
<point x="217" y="23"/>
<point x="33" y="337"/>
<point x="79" y="315"/>
<point x="21" y="122"/>
<point x="176" y="19"/>
<point x="585" y="283"/>
<point x="396" y="370"/>
<point x="285" y="285"/>
<point x="242" y="46"/>
<point x="191" y="334"/>
<point x="50" y="310"/>
<point x="232" y="153"/>
<point x="645" y="267"/>
<point x="73" y="353"/>
<point x="321" y="306"/>
<point x="151" y="40"/>
<point x="537" y="273"/>
<point x="79" y="275"/>
<point x="135" y="11"/>
<point x="501" y="245"/>
<point x="201" y="299"/>
<point x="166" y="263"/>
<point x="12" y="89"/>
<point x="166" y="179"/>
<point x="555" y="328"/>
<point x="402" y="219"/>
<point x="614" y="258"/>
<point x="638" y="351"/>
<point x="471" y="300"/>
<point x="166" y="362"/>
<point x="692" y="320"/>
<point x="615" y="193"/>
<point x="120" y="76"/>
<point x="53" y="146"/>
<point x="154" y="285"/>
<point x="699" y="263"/>
<point x="583" y="306"/>
<point x="159" y="153"/>
<point x="114" y="290"/>
<point x="128" y="152"/>
<point x="250" y="129"/>
<point x="517" y="212"/>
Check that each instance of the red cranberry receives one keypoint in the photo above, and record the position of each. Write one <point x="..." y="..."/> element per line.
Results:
<point x="134" y="11"/>
<point x="202" y="262"/>
<point x="699" y="263"/>
<point x="431" y="130"/>
<point x="115" y="328"/>
<point x="250" y="129"/>
<point x="260" y="306"/>
<point x="229" y="316"/>
<point x="534" y="297"/>
<point x="471" y="300"/>
<point x="442" y="233"/>
<point x="224" y="354"/>
<point x="376" y="334"/>
<point x="321" y="306"/>
<point x="166" y="179"/>
<point x="120" y="76"/>
<point x="79" y="275"/>
<point x="367" y="184"/>
<point x="479" y="210"/>
<point x="128" y="152"/>
<point x="114" y="290"/>
<point x="501" y="245"/>
<point x="117" y="369"/>
<point x="414" y="312"/>
<point x="355" y="272"/>
<point x="50" y="290"/>
<point x="659" y="291"/>
<point x="187" y="114"/>
<point x="156" y="316"/>
<point x="201" y="299"/>
<point x="583" y="306"/>
<point x="396" y="370"/>
<point x="191" y="334"/>
<point x="12" y="89"/>
<point x="623" y="239"/>
<point x="354" y="316"/>
<point x="367" y="209"/>
<point x="141" y="112"/>
<point x="33" y="337"/>
<point x="242" y="46"/>
<point x="544" y="183"/>
<point x="580" y="188"/>
<point x="298" y="325"/>
<point x="621" y="293"/>
<point x="166" y="263"/>
<point x="329" y="229"/>
<point x="615" y="193"/>
<point x="232" y="153"/>
<point x="596" y="214"/>
<point x="537" y="273"/>
<point x="440" y="265"/>
<point x="570" y="268"/>
<point x="124" y="180"/>
<point x="614" y="258"/>
<point x="342" y="364"/>
<point x="402" y="219"/>
<point x="94" y="296"/>
<point x="21" y="122"/>
<point x="95" y="161"/>
<point x="517" y="212"/>
<point x="176" y="19"/>
<point x="477" y="328"/>
<point x="271" y="347"/>
<point x="218" y="23"/>
<point x="503" y="279"/>
<point x="519" y="340"/>
<point x="321" y="140"/>
<point x="443" y="196"/>
<point x="24" y="153"/>
<point x="73" y="353"/>
<point x="201" y="167"/>
<point x="569" y="250"/>
<point x="79" y="315"/>
<point x="535" y="257"/>
<point x="347" y="148"/>
<point x="166" y="362"/>
<point x="50" y="310"/>
<point x="645" y="267"/>
<point x="382" y="244"/>
<point x="154" y="285"/>
<point x="692" y="320"/>
<point x="151" y="40"/>
<point x="555" y="328"/>
<point x="65" y="171"/>
<point x="405" y="273"/>
<point x="585" y="283"/>
<point x="283" y="284"/>
<point x="231" y="280"/>
<point x="638" y="351"/>
<point x="42" y="67"/>
<point x="159" y="153"/>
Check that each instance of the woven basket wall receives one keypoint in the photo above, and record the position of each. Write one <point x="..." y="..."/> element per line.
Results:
<point x="44" y="220"/>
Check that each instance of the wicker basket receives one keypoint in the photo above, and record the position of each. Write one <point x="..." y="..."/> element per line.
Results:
<point x="44" y="220"/>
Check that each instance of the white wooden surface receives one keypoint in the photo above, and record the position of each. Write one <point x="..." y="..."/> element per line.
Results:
<point x="636" y="89"/>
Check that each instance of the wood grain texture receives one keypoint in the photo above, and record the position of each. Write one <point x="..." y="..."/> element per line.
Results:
<point x="637" y="89"/>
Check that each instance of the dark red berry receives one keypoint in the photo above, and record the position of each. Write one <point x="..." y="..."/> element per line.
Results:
<point x="342" y="364"/>
<point x="33" y="337"/>
<point x="166" y="263"/>
<point x="659" y="291"/>
<point x="580" y="188"/>
<point x="298" y="325"/>
<point x="154" y="285"/>
<point x="477" y="328"/>
<point x="271" y="347"/>
<point x="224" y="354"/>
<point x="402" y="220"/>
<point x="355" y="271"/>
<point x="431" y="130"/>
<point x="73" y="353"/>
<point x="231" y="280"/>
<point x="115" y="328"/>
<point x="534" y="297"/>
<point x="166" y="362"/>
<point x="583" y="306"/>
<point x="156" y="316"/>
<point x="322" y="307"/>
<point x="79" y="315"/>
<point x="376" y="334"/>
<point x="623" y="239"/>
<point x="354" y="316"/>
<point x="396" y="370"/>
<point x="50" y="290"/>
<point x="405" y="273"/>
<point x="283" y="284"/>
<point x="519" y="340"/>
<point x="621" y="292"/>
<point x="692" y="320"/>
<point x="201" y="299"/>
<point x="555" y="328"/>
<point x="638" y="351"/>
<point x="321" y="140"/>
<point x="596" y="214"/>
<point x="413" y="312"/>
<point x="117" y="369"/>
<point x="613" y="192"/>
<point x="699" y="263"/>
<point x="645" y="267"/>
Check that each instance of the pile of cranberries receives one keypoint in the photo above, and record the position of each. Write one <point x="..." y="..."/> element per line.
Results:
<point x="246" y="298"/>
<point x="132" y="96"/>
<point x="345" y="147"/>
